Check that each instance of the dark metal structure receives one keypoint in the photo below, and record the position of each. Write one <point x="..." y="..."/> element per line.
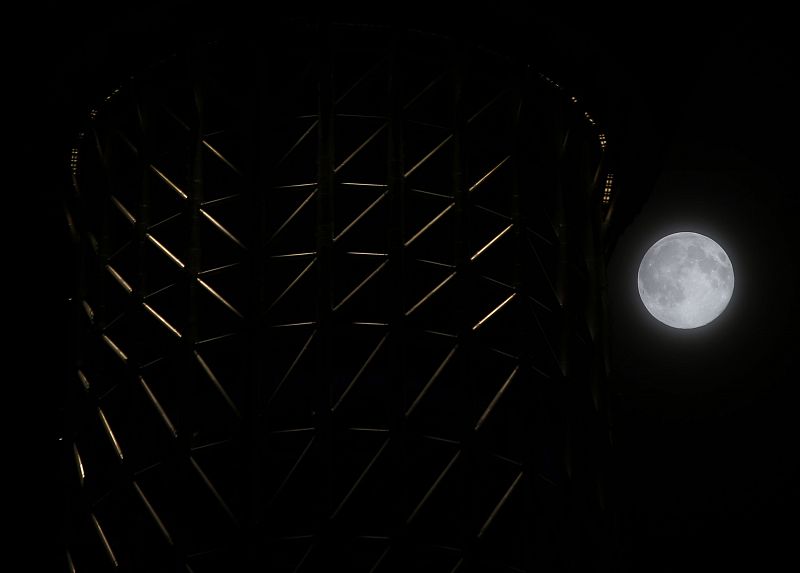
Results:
<point x="339" y="308"/>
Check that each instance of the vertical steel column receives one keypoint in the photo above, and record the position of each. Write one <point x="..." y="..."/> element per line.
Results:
<point x="520" y="288"/>
<point x="561" y="223"/>
<point x="397" y="328"/>
<point x="464" y="281"/>
<point x="187" y="383"/>
<point x="326" y="319"/>
<point x="257" y="333"/>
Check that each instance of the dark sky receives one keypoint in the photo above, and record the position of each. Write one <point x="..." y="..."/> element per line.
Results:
<point x="701" y="114"/>
<point x="706" y="418"/>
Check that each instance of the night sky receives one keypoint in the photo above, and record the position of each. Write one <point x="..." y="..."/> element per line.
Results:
<point x="701" y="113"/>
<point x="706" y="418"/>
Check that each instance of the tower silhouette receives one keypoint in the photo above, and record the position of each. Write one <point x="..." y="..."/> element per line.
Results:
<point x="339" y="306"/>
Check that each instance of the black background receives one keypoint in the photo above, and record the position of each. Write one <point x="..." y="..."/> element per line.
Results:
<point x="701" y="117"/>
<point x="706" y="422"/>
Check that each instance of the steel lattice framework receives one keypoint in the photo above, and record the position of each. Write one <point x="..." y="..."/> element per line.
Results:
<point x="338" y="309"/>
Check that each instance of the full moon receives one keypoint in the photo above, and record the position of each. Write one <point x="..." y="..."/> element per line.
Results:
<point x="685" y="280"/>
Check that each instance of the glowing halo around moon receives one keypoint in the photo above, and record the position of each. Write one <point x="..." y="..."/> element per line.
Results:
<point x="685" y="280"/>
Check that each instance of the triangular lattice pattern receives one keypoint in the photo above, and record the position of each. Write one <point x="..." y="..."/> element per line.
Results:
<point x="335" y="312"/>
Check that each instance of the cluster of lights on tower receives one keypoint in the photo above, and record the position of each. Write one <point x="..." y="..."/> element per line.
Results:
<point x="607" y="189"/>
<point x="601" y="137"/>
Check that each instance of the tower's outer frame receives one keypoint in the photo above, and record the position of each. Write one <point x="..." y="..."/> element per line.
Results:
<point x="339" y="307"/>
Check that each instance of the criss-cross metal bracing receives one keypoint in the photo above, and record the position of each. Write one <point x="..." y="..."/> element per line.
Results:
<point x="339" y="308"/>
